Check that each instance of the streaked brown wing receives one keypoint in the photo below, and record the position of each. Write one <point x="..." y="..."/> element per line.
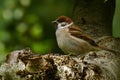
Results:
<point x="75" y="31"/>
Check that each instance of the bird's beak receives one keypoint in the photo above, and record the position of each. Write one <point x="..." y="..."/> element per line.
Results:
<point x="54" y="22"/>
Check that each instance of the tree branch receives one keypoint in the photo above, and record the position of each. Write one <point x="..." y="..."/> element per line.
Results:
<point x="25" y="65"/>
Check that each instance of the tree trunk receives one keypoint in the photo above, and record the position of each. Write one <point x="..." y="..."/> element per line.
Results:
<point x="94" y="16"/>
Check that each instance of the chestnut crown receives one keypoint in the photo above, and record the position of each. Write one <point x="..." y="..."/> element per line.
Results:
<point x="63" y="19"/>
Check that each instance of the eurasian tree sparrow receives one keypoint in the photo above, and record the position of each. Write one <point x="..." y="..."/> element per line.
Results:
<point x="71" y="39"/>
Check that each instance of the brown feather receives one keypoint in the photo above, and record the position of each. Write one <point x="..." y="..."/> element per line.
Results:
<point x="76" y="31"/>
<point x="64" y="19"/>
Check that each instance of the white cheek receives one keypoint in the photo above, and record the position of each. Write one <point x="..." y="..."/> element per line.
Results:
<point x="61" y="27"/>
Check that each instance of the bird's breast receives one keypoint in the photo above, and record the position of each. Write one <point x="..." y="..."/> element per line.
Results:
<point x="62" y="37"/>
<point x="71" y="44"/>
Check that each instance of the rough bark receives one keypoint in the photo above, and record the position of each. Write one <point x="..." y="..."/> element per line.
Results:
<point x="25" y="65"/>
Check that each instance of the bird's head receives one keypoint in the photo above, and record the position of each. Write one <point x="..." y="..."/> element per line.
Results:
<point x="62" y="22"/>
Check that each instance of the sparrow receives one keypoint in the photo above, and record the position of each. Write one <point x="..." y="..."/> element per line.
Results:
<point x="71" y="39"/>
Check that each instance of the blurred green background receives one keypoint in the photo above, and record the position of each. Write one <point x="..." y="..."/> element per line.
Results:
<point x="27" y="23"/>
